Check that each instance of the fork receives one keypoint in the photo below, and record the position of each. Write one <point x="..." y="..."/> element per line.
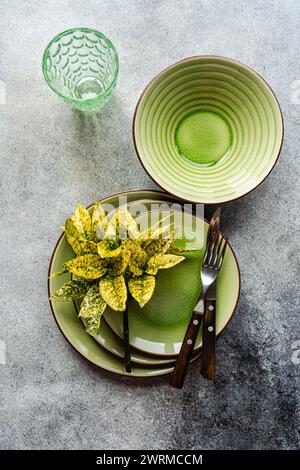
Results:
<point x="211" y="265"/>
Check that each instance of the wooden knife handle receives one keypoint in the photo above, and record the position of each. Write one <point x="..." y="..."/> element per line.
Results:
<point x="186" y="351"/>
<point x="208" y="367"/>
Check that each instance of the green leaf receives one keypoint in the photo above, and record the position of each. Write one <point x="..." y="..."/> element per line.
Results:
<point x="118" y="265"/>
<point x="159" y="246"/>
<point x="88" y="247"/>
<point x="71" y="290"/>
<point x="92" y="308"/>
<point x="162" y="262"/>
<point x="147" y="233"/>
<point x="109" y="248"/>
<point x="114" y="292"/>
<point x="97" y="218"/>
<point x="121" y="225"/>
<point x="74" y="237"/>
<point x="142" y="288"/>
<point x="138" y="257"/>
<point x="59" y="273"/>
<point x="127" y="222"/>
<point x="82" y="220"/>
<point x="87" y="266"/>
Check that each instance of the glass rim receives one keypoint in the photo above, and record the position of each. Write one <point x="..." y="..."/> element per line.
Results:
<point x="85" y="30"/>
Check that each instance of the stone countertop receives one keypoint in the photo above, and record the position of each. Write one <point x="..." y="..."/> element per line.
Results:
<point x="52" y="157"/>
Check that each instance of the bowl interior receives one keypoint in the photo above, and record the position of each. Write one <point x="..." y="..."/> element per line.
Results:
<point x="223" y="88"/>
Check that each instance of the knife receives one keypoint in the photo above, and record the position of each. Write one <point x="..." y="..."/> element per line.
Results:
<point x="183" y="360"/>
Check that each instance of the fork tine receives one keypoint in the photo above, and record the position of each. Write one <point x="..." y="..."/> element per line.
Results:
<point x="222" y="253"/>
<point x="213" y="248"/>
<point x="208" y="249"/>
<point x="217" y="252"/>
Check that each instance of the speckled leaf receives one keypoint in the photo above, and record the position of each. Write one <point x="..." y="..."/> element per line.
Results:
<point x="118" y="265"/>
<point x="138" y="257"/>
<point x="98" y="216"/>
<point x="142" y="288"/>
<point x="159" y="246"/>
<point x="147" y="233"/>
<point x="162" y="262"/>
<point x="59" y="273"/>
<point x="127" y="222"/>
<point x="114" y="292"/>
<point x="109" y="248"/>
<point x="88" y="247"/>
<point x="82" y="220"/>
<point x="121" y="225"/>
<point x="74" y="237"/>
<point x="92" y="308"/>
<point x="71" y="290"/>
<point x="87" y="266"/>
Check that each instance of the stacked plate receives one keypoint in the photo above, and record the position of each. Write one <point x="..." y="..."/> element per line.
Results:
<point x="157" y="330"/>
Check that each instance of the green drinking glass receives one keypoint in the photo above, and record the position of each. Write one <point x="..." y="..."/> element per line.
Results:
<point x="81" y="66"/>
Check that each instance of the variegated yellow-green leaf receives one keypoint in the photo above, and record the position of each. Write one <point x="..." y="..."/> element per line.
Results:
<point x="147" y="233"/>
<point x="59" y="273"/>
<point x="127" y="222"/>
<point x="161" y="246"/>
<point x="88" y="246"/>
<point x="114" y="292"/>
<point x="138" y="257"/>
<point x="121" y="225"/>
<point x="117" y="266"/>
<point x="142" y="288"/>
<point x="92" y="308"/>
<point x="87" y="266"/>
<point x="109" y="248"/>
<point x="74" y="237"/>
<point x="97" y="217"/>
<point x="177" y="249"/>
<point x="162" y="262"/>
<point x="82" y="220"/>
<point x="71" y="290"/>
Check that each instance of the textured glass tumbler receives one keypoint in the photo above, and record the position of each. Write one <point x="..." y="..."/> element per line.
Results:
<point x="81" y="66"/>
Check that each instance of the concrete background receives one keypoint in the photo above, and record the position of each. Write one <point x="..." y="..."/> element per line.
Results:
<point x="52" y="157"/>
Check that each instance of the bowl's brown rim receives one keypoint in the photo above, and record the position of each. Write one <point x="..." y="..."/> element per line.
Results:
<point x="186" y="60"/>
<point x="80" y="353"/>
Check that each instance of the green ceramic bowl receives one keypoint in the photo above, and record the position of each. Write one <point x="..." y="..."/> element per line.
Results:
<point x="219" y="108"/>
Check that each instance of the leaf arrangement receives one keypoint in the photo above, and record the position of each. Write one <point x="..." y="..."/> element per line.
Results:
<point x="114" y="260"/>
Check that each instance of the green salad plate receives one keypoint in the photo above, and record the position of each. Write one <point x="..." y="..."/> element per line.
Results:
<point x="159" y="327"/>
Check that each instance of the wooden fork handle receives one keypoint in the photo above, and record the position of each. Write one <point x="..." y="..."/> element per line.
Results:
<point x="186" y="351"/>
<point x="208" y="367"/>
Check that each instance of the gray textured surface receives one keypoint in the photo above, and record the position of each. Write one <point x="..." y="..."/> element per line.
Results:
<point x="52" y="157"/>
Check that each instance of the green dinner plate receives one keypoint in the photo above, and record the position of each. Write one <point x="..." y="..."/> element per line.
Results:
<point x="208" y="129"/>
<point x="112" y="343"/>
<point x="66" y="316"/>
<point x="159" y="327"/>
